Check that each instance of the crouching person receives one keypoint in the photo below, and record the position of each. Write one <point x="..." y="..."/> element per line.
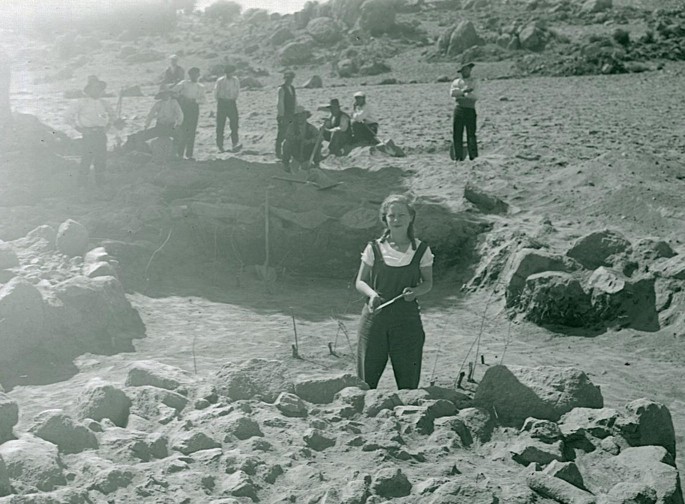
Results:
<point x="301" y="139"/>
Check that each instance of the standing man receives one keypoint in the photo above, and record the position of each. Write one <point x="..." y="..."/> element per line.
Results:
<point x="287" y="100"/>
<point x="463" y="90"/>
<point x="190" y="95"/>
<point x="226" y="93"/>
<point x="364" y="124"/>
<point x="91" y="116"/>
<point x="174" y="73"/>
<point x="337" y="130"/>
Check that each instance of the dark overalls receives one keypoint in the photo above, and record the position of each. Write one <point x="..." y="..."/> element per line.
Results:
<point x="396" y="330"/>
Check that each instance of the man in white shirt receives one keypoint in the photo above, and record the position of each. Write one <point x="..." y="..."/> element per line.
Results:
<point x="463" y="90"/>
<point x="168" y="117"/>
<point x="364" y="124"/>
<point x="226" y="92"/>
<point x="190" y="95"/>
<point x="91" y="116"/>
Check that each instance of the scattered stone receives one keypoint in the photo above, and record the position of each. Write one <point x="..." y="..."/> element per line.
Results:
<point x="479" y="422"/>
<point x="485" y="202"/>
<point x="156" y="374"/>
<point x="99" y="269"/>
<point x="256" y="377"/>
<point x="544" y="392"/>
<point x="33" y="462"/>
<point x="555" y="298"/>
<point x="149" y="402"/>
<point x="291" y="405"/>
<point x="459" y="399"/>
<point x="532" y="38"/>
<point x="596" y="422"/>
<point x="599" y="248"/>
<point x="353" y="397"/>
<point x="454" y="492"/>
<point x="377" y="400"/>
<point x="357" y="490"/>
<point x="672" y="268"/>
<point x="241" y="427"/>
<point x="101" y="399"/>
<point x="611" y="445"/>
<point x="322" y="389"/>
<point x="194" y="441"/>
<point x="9" y="416"/>
<point x="527" y="450"/>
<point x="72" y="238"/>
<point x="58" y="428"/>
<point x="239" y="484"/>
<point x="390" y="482"/>
<point x="314" y="82"/>
<point x="439" y="408"/>
<point x="558" y="489"/>
<point x="654" y="425"/>
<point x="61" y="496"/>
<point x="544" y="430"/>
<point x="629" y="492"/>
<point x="346" y="68"/>
<point x="567" y="471"/>
<point x="592" y="6"/>
<point x="418" y="417"/>
<point x="110" y="480"/>
<point x="317" y="440"/>
<point x="456" y="425"/>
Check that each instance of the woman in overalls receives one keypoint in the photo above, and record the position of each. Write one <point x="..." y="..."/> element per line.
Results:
<point x="396" y="265"/>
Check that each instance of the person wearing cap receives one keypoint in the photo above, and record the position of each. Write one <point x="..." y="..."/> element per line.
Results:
<point x="90" y="116"/>
<point x="336" y="129"/>
<point x="301" y="139"/>
<point x="174" y="72"/>
<point x="364" y="125"/>
<point x="168" y="118"/>
<point x="226" y="91"/>
<point x="285" y="108"/>
<point x="463" y="90"/>
<point x="190" y="95"/>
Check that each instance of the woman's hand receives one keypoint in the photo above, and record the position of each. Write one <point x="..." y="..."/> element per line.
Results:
<point x="408" y="294"/>
<point x="375" y="301"/>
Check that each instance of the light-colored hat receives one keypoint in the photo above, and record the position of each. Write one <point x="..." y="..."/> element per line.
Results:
<point x="467" y="65"/>
<point x="299" y="109"/>
<point x="360" y="94"/>
<point x="173" y="57"/>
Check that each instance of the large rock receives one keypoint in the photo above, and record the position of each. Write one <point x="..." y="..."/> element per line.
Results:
<point x="378" y="16"/>
<point x="592" y="6"/>
<point x="9" y="416"/>
<point x="101" y="399"/>
<point x="463" y="37"/>
<point x="567" y="471"/>
<point x="484" y="201"/>
<point x="623" y="302"/>
<point x="598" y="422"/>
<point x="291" y="405"/>
<point x="324" y="30"/>
<point x="59" y="428"/>
<point x="322" y="389"/>
<point x="255" y="377"/>
<point x="479" y="423"/>
<point x="377" y="400"/>
<point x="281" y="36"/>
<point x="532" y="38"/>
<point x="189" y="442"/>
<point x="558" y="489"/>
<point x="654" y="425"/>
<point x="22" y="312"/>
<point x="33" y="463"/>
<point x="599" y="248"/>
<point x="154" y="403"/>
<point x="390" y="482"/>
<point x="96" y="312"/>
<point x="72" y="238"/>
<point x="556" y="298"/>
<point x="314" y="82"/>
<point x="156" y="374"/>
<point x="672" y="268"/>
<point x="544" y="392"/>
<point x="457" y="492"/>
<point x="295" y="53"/>
<point x="347" y="11"/>
<point x="526" y="450"/>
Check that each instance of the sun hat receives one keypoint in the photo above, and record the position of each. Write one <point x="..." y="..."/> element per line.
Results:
<point x="467" y="65"/>
<point x="94" y="84"/>
<point x="359" y="94"/>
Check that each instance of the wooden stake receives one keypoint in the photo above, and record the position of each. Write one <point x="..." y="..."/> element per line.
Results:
<point x="461" y="377"/>
<point x="296" y="347"/>
<point x="266" y="232"/>
<point x="470" y="376"/>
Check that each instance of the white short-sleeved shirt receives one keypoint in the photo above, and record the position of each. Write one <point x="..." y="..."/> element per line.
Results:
<point x="392" y="257"/>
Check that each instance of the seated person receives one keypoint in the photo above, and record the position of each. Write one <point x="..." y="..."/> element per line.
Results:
<point x="301" y="138"/>
<point x="364" y="125"/>
<point x="168" y="118"/>
<point x="336" y="130"/>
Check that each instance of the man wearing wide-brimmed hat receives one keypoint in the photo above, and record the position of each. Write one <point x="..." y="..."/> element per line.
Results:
<point x="300" y="139"/>
<point x="91" y="116"/>
<point x="337" y="129"/>
<point x="226" y="92"/>
<point x="463" y="90"/>
<point x="168" y="116"/>
<point x="285" y="108"/>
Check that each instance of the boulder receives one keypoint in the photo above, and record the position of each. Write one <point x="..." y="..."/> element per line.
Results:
<point x="9" y="416"/>
<point x="544" y="430"/>
<point x="317" y="439"/>
<point x="111" y="479"/>
<point x="357" y="490"/>
<point x="503" y="40"/>
<point x="101" y="399"/>
<point x="353" y="397"/>
<point x="295" y="53"/>
<point x="599" y="248"/>
<point x="347" y="11"/>
<point x="324" y="30"/>
<point x="60" y="429"/>
<point x="255" y="377"/>
<point x="72" y="238"/>
<point x="378" y="16"/>
<point x="281" y="36"/>
<point x="651" y="249"/>
<point x="188" y="442"/>
<point x="598" y="422"/>
<point x="454" y="492"/>
<point x="479" y="423"/>
<point x="527" y="262"/>
<point x="33" y="463"/>
<point x="390" y="482"/>
<point x="593" y="6"/>
<point x="544" y="392"/>
<point x="291" y="405"/>
<point x="629" y="492"/>
<point x="346" y="68"/>
<point x="377" y="400"/>
<point x="314" y="82"/>
<point x="623" y="302"/>
<point x="567" y="471"/>
<point x="240" y="426"/>
<point x="22" y="312"/>
<point x="485" y="202"/>
<point x="374" y="68"/>
<point x="156" y="374"/>
<point x="99" y="269"/>
<point x="526" y="450"/>
<point x="463" y="37"/>
<point x="514" y="44"/>
<point x="322" y="389"/>
<point x="671" y="268"/>
<point x="239" y="484"/>
<point x="556" y="298"/>
<point x="8" y="257"/>
<point x="153" y="403"/>
<point x="456" y="425"/>
<point x="532" y="38"/>
<point x="417" y="419"/>
<point x="654" y="425"/>
<point x="558" y="489"/>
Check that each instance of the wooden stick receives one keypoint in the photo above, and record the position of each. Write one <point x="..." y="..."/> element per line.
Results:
<point x="266" y="232"/>
<point x="296" y="346"/>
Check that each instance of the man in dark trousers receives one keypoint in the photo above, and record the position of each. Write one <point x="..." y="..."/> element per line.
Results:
<point x="226" y="93"/>
<point x="463" y="90"/>
<point x="174" y="72"/>
<point x="287" y="100"/>
<point x="337" y="129"/>
<point x="190" y="95"/>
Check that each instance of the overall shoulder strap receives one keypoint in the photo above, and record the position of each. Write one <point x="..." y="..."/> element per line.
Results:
<point x="418" y="255"/>
<point x="377" y="255"/>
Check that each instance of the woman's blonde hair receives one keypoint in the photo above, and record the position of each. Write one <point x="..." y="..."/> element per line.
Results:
<point x="385" y="206"/>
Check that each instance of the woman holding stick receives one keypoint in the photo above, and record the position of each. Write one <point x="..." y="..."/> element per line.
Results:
<point x="395" y="269"/>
